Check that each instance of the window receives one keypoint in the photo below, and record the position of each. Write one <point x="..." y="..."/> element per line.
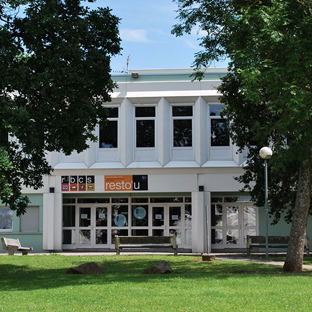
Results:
<point x="145" y="126"/>
<point x="109" y="131"/>
<point x="219" y="127"/>
<point x="6" y="219"/>
<point x="29" y="222"/>
<point x="182" y="126"/>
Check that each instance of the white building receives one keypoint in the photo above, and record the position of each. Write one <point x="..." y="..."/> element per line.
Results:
<point x="164" y="165"/>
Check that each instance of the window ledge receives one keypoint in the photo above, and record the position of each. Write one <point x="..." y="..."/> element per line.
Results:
<point x="182" y="164"/>
<point x="220" y="163"/>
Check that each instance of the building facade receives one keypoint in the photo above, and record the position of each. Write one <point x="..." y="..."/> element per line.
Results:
<point x="164" y="165"/>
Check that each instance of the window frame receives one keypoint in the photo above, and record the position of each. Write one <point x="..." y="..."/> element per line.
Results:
<point x="153" y="118"/>
<point x="145" y="153"/>
<point x="11" y="229"/>
<point x="110" y="154"/>
<point x="182" y="152"/>
<point x="110" y="119"/>
<point x="38" y="220"/>
<point x="217" y="117"/>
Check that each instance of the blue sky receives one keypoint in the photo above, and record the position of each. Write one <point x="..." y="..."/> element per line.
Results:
<point x="145" y="30"/>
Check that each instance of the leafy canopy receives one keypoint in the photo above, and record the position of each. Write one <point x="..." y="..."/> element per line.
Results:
<point x="55" y="75"/>
<point x="268" y="89"/>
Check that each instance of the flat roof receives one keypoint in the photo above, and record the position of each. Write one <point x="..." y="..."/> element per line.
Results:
<point x="178" y="74"/>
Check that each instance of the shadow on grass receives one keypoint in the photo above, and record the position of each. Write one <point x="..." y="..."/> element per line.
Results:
<point x="46" y="272"/>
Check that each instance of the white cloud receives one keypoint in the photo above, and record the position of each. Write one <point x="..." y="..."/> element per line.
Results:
<point x="134" y="35"/>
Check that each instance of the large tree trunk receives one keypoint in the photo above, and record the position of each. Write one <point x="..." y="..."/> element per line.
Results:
<point x="294" y="258"/>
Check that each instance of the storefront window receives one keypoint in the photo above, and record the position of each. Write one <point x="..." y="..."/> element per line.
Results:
<point x="139" y="215"/>
<point x="6" y="219"/>
<point x="119" y="215"/>
<point x="69" y="215"/>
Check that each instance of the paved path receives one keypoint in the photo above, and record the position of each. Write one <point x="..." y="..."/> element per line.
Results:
<point x="265" y="261"/>
<point x="219" y="256"/>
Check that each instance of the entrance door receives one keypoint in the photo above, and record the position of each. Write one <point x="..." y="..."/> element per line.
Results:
<point x="231" y="222"/>
<point x="166" y="219"/>
<point x="92" y="226"/>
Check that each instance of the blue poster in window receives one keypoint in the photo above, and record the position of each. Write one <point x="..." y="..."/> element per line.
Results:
<point x="139" y="212"/>
<point x="120" y="220"/>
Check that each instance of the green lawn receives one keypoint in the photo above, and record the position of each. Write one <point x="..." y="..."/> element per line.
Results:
<point x="39" y="283"/>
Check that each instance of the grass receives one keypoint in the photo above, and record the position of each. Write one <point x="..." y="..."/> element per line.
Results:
<point x="39" y="283"/>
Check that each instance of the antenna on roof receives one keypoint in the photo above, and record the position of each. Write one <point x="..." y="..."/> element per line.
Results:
<point x="128" y="60"/>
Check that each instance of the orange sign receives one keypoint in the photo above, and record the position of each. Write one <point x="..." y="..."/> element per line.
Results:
<point x="125" y="183"/>
<point x="118" y="183"/>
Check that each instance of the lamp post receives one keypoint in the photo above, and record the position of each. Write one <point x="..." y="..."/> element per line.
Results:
<point x="266" y="153"/>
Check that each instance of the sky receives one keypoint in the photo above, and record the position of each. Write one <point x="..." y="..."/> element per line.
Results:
<point x="145" y="30"/>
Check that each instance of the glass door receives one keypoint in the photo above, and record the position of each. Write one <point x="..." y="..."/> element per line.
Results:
<point x="101" y="225"/>
<point x="92" y="226"/>
<point x="159" y="221"/>
<point x="84" y="226"/>
<point x="231" y="222"/>
<point x="166" y="219"/>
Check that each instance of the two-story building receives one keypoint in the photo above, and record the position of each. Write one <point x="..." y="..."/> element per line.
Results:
<point x="164" y="165"/>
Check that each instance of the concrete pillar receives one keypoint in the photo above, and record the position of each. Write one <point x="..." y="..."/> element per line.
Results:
<point x="48" y="222"/>
<point x="198" y="222"/>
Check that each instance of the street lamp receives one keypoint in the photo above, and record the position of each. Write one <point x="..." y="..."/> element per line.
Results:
<point x="266" y="153"/>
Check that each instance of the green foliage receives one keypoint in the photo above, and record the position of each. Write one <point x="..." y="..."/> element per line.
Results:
<point x="55" y="75"/>
<point x="268" y="90"/>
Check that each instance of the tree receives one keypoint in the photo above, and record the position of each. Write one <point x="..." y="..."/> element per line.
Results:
<point x="267" y="94"/>
<point x="55" y="76"/>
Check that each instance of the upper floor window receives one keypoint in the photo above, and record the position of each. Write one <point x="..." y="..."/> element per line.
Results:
<point x="219" y="127"/>
<point x="182" y="126"/>
<point x="145" y="117"/>
<point x="108" y="137"/>
<point x="6" y="219"/>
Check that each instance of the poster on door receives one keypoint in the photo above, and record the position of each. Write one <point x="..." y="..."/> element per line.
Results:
<point x="77" y="183"/>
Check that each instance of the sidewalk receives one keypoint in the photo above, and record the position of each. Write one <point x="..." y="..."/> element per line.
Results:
<point x="238" y="257"/>
<point x="219" y="256"/>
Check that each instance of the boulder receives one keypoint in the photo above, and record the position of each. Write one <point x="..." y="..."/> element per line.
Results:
<point x="161" y="267"/>
<point x="208" y="257"/>
<point x="86" y="268"/>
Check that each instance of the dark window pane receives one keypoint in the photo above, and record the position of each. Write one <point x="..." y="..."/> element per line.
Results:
<point x="119" y="215"/>
<point x="101" y="237"/>
<point x="113" y="112"/>
<point x="139" y="215"/>
<point x="69" y="215"/>
<point x="216" y="215"/>
<point x="182" y="130"/>
<point x="69" y="200"/>
<point x="174" y="216"/>
<point x="139" y="233"/>
<point x="216" y="199"/>
<point x="139" y="200"/>
<point x="220" y="132"/>
<point x="215" y="110"/>
<point x="145" y="133"/>
<point x="182" y="110"/>
<point x="120" y="200"/>
<point x="166" y="200"/>
<point x="109" y="135"/>
<point x="92" y="200"/>
<point x="145" y="111"/>
<point x="68" y="237"/>
<point x="101" y="216"/>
